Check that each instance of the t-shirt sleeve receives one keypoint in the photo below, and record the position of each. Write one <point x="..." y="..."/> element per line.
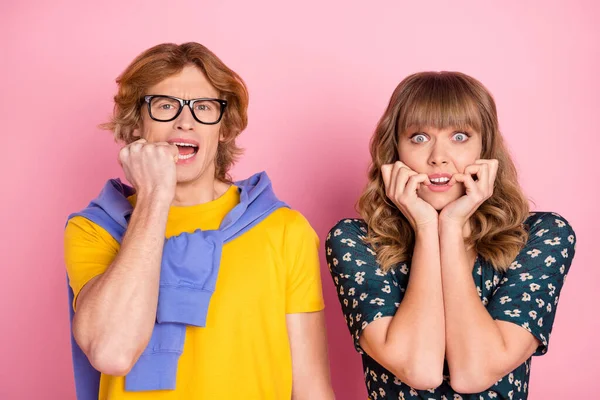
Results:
<point x="529" y="291"/>
<point x="303" y="285"/>
<point x="365" y="292"/>
<point x="88" y="251"/>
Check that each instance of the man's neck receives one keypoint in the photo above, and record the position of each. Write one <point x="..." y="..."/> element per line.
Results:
<point x="199" y="191"/>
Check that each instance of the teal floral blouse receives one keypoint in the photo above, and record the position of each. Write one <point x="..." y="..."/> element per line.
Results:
<point x="526" y="294"/>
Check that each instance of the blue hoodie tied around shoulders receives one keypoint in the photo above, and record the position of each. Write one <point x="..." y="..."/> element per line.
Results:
<point x="189" y="270"/>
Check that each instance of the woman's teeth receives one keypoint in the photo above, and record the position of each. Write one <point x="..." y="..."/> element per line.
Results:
<point x="440" y="181"/>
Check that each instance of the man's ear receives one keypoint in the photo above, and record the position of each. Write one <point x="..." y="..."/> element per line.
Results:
<point x="137" y="131"/>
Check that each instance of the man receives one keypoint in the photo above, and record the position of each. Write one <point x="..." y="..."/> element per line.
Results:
<point x="187" y="285"/>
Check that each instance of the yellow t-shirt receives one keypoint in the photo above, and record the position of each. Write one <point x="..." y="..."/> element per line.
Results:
<point x="268" y="272"/>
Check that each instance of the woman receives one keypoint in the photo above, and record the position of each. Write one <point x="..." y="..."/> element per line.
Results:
<point x="449" y="284"/>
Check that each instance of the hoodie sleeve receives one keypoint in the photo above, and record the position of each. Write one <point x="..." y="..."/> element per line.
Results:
<point x="88" y="251"/>
<point x="301" y="255"/>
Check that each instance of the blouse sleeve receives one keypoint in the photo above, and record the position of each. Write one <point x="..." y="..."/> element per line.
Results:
<point x="529" y="292"/>
<point x="365" y="292"/>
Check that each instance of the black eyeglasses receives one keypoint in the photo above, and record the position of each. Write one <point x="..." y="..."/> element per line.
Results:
<point x="207" y="111"/>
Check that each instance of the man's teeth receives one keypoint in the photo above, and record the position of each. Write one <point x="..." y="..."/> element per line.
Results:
<point x="440" y="180"/>
<point x="184" y="144"/>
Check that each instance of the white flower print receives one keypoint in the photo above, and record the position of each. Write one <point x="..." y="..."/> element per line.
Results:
<point x="377" y="316"/>
<point x="492" y="395"/>
<point x="379" y="272"/>
<point x="479" y="291"/>
<point x="401" y="396"/>
<point x="518" y="385"/>
<point x="337" y="233"/>
<point x="488" y="284"/>
<point x="359" y="277"/>
<point x="484" y="301"/>
<point x="374" y="395"/>
<point x="354" y="303"/>
<point x="534" y="286"/>
<point x="533" y="314"/>
<point x="360" y="263"/>
<point x="549" y="261"/>
<point x="404" y="269"/>
<point x="540" y="302"/>
<point x="552" y="289"/>
<point x="526" y="297"/>
<point x="370" y="250"/>
<point x="479" y="270"/>
<point x="341" y="290"/>
<point x="362" y="228"/>
<point x="515" y="265"/>
<point x="348" y="242"/>
<point x="525" y="387"/>
<point x="541" y="232"/>
<point x="457" y="397"/>
<point x="363" y="326"/>
<point x="514" y="313"/>
<point x="382" y="393"/>
<point x="351" y="292"/>
<point x="560" y="223"/>
<point x="552" y="242"/>
<point x="540" y="322"/>
<point x="358" y="317"/>
<point x="329" y="251"/>
<point x="345" y="301"/>
<point x="526" y="276"/>
<point x="549" y="307"/>
<point x="378" y="301"/>
<point x="571" y="239"/>
<point x="496" y="279"/>
<point x="335" y="262"/>
<point x="347" y="257"/>
<point x="510" y="395"/>
<point x="544" y="340"/>
<point x="397" y="381"/>
<point x="413" y="392"/>
<point x="505" y="299"/>
<point x="562" y="269"/>
<point x="363" y="296"/>
<point x="387" y="289"/>
<point x="526" y="326"/>
<point x="556" y="300"/>
<point x="564" y="253"/>
<point x="534" y="253"/>
<point x="384" y="378"/>
<point x="511" y="378"/>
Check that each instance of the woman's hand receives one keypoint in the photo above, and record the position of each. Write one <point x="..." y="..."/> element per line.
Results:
<point x="459" y="211"/>
<point x="401" y="187"/>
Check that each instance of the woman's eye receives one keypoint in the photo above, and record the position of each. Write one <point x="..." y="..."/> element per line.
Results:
<point x="419" y="138"/>
<point x="460" y="137"/>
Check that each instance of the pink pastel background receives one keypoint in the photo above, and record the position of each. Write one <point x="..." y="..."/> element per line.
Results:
<point x="320" y="74"/>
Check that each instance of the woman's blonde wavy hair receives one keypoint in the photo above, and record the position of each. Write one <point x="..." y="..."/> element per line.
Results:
<point x="168" y="59"/>
<point x="444" y="100"/>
